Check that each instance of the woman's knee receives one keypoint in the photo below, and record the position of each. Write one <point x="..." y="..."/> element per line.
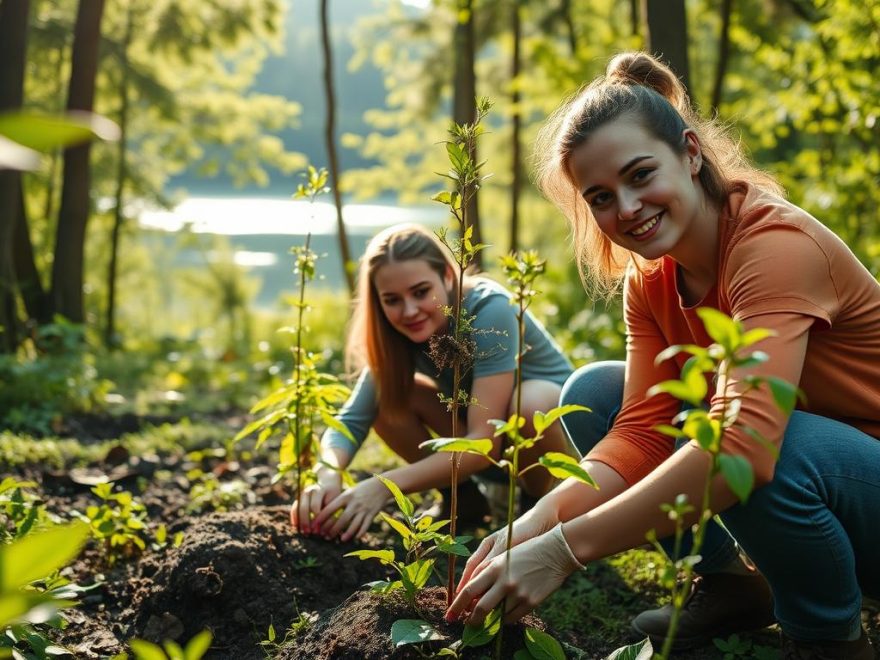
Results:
<point x="599" y="387"/>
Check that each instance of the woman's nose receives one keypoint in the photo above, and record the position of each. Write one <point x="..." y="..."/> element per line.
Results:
<point x="628" y="205"/>
<point x="410" y="307"/>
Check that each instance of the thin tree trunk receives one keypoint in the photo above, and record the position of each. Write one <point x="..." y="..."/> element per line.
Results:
<point x="67" y="269"/>
<point x="516" y="164"/>
<point x="569" y="26"/>
<point x="30" y="286"/>
<point x="667" y="35"/>
<point x="330" y="139"/>
<point x="723" y="54"/>
<point x="110" y="337"/>
<point x="464" y="108"/>
<point x="13" y="49"/>
<point x="634" y="18"/>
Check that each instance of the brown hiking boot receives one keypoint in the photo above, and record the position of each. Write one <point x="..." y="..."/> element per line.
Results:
<point x="859" y="649"/>
<point x="719" y="604"/>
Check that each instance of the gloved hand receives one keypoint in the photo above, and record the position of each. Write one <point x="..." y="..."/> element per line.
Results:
<point x="538" y="520"/>
<point x="313" y="498"/>
<point x="537" y="568"/>
<point x="359" y="505"/>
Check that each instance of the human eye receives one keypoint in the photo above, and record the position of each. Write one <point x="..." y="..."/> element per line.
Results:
<point x="422" y="292"/>
<point x="599" y="200"/>
<point x="642" y="174"/>
<point x="388" y="301"/>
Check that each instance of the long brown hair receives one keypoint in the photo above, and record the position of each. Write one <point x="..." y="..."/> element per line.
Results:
<point x="372" y="341"/>
<point x="639" y="86"/>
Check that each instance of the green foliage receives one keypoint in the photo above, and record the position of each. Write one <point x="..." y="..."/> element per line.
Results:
<point x="540" y="646"/>
<point x="22" y="510"/>
<point x="421" y="537"/>
<point x="638" y="651"/>
<point x="32" y="559"/>
<point x="50" y="376"/>
<point x="732" y="349"/>
<point x="310" y="397"/>
<point x="171" y="650"/>
<point x="413" y="631"/>
<point x="120" y="522"/>
<point x="208" y="493"/>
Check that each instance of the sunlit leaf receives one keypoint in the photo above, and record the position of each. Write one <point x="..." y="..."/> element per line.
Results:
<point x="542" y="421"/>
<point x="739" y="475"/>
<point x="38" y="555"/>
<point x="384" y="556"/>
<point x="403" y="502"/>
<point x="563" y="466"/>
<point x="481" y="447"/>
<point x="413" y="631"/>
<point x="543" y="646"/>
<point x="484" y="633"/>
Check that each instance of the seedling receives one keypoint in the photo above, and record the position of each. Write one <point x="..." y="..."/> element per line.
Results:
<point x="162" y="541"/>
<point x="295" y="408"/>
<point x="170" y="650"/>
<point x="22" y="509"/>
<point x="119" y="522"/>
<point x="731" y="350"/>
<point x="421" y="538"/>
<point x="456" y="350"/>
<point x="522" y="271"/>
<point x="208" y="493"/>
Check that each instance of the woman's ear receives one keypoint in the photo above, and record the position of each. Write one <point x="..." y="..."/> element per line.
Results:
<point x="693" y="150"/>
<point x="449" y="278"/>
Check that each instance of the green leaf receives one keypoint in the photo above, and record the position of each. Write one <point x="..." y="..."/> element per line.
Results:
<point x="38" y="555"/>
<point x="384" y="556"/>
<point x="738" y="473"/>
<point x="173" y="649"/>
<point x="481" y="447"/>
<point x="542" y="646"/>
<point x="44" y="132"/>
<point x="755" y="335"/>
<point x="331" y="422"/>
<point x="671" y="351"/>
<point x="413" y="631"/>
<point x="668" y="429"/>
<point x="785" y="394"/>
<point x="638" y="651"/>
<point x="563" y="466"/>
<point x="444" y="197"/>
<point x="678" y="389"/>
<point x="484" y="633"/>
<point x="454" y="549"/>
<point x="407" y="508"/>
<point x="542" y="421"/>
<point x="198" y="646"/>
<point x="144" y="650"/>
<point x="721" y="328"/>
<point x="418" y="572"/>
<point x="396" y="525"/>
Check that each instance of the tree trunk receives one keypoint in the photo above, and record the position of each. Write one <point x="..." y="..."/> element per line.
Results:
<point x="723" y="54"/>
<point x="464" y="103"/>
<point x="111" y="339"/>
<point x="569" y="26"/>
<point x="634" y="18"/>
<point x="330" y="139"/>
<point x="67" y="269"/>
<point x="13" y="49"/>
<point x="667" y="35"/>
<point x="516" y="164"/>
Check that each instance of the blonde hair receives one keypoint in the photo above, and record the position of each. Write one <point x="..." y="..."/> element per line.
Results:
<point x="372" y="341"/>
<point x="639" y="86"/>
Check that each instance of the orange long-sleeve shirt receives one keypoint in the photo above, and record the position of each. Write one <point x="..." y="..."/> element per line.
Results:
<point x="779" y="268"/>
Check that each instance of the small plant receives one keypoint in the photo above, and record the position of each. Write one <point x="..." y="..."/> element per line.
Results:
<point x="421" y="538"/>
<point x="162" y="541"/>
<point x="22" y="510"/>
<point x="303" y="621"/>
<point x="170" y="650"/>
<point x="456" y="349"/>
<point x="310" y="395"/>
<point x="119" y="522"/>
<point x="730" y="350"/>
<point x="208" y="493"/>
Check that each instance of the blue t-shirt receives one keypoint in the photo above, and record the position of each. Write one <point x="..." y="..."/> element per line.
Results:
<point x="496" y="330"/>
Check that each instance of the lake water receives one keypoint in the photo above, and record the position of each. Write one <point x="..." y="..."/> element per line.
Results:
<point x="262" y="230"/>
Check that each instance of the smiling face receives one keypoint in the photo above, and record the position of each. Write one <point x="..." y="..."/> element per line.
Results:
<point x="412" y="295"/>
<point x="644" y="196"/>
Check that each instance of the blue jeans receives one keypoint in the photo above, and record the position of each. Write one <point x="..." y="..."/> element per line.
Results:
<point x="814" y="531"/>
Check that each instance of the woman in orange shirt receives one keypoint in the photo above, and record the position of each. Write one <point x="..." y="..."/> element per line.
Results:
<point x="665" y="201"/>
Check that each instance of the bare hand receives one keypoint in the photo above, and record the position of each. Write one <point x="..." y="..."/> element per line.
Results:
<point x="313" y="498"/>
<point x="359" y="506"/>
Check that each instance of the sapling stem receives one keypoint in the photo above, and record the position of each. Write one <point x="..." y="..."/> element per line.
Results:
<point x="297" y="371"/>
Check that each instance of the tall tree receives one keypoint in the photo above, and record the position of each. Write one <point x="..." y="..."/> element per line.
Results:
<point x="723" y="53"/>
<point x="464" y="108"/>
<point x="67" y="269"/>
<point x="330" y="140"/>
<point x="667" y="34"/>
<point x="13" y="46"/>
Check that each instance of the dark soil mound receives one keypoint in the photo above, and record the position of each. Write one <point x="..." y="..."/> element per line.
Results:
<point x="360" y="629"/>
<point x="237" y="573"/>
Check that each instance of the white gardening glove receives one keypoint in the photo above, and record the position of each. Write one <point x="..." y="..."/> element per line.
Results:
<point x="538" y="520"/>
<point x="537" y="568"/>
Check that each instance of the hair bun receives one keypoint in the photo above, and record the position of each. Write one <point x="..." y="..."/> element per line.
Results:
<point x="637" y="68"/>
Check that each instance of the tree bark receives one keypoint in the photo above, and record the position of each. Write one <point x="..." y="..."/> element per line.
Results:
<point x="30" y="286"/>
<point x="723" y="54"/>
<point x="13" y="49"/>
<point x="464" y="108"/>
<point x="516" y="158"/>
<point x="667" y="35"/>
<point x="73" y="215"/>
<point x="330" y="140"/>
<point x="110" y="335"/>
